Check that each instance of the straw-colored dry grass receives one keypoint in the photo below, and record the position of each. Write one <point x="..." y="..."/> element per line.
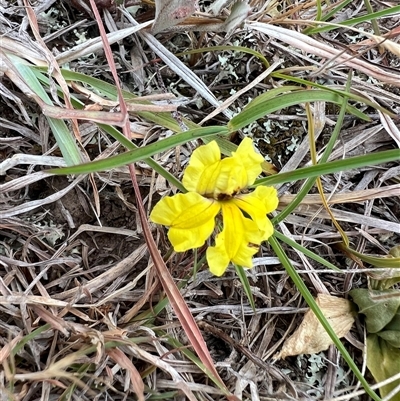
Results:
<point x="75" y="275"/>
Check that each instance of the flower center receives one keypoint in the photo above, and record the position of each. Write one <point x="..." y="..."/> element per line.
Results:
<point x="225" y="197"/>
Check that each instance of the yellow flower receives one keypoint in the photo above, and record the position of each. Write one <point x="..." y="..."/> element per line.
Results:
<point x="215" y="185"/>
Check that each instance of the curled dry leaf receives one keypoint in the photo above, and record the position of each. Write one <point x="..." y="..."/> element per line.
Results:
<point x="171" y="12"/>
<point x="311" y="337"/>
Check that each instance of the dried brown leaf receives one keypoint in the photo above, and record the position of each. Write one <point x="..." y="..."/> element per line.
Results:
<point x="137" y="383"/>
<point x="171" y="12"/>
<point x="311" y="337"/>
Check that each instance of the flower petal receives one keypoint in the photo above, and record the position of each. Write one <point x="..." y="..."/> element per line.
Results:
<point x="257" y="204"/>
<point x="250" y="160"/>
<point x="190" y="216"/>
<point x="212" y="177"/>
<point x="237" y="242"/>
<point x="233" y="173"/>
<point x="203" y="168"/>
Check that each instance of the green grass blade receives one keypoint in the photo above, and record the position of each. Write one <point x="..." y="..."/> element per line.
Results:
<point x="29" y="337"/>
<point x="192" y="357"/>
<point x="330" y="14"/>
<point x="246" y="285"/>
<point x="112" y="131"/>
<point x="110" y="92"/>
<point x="300" y="285"/>
<point x="61" y="132"/>
<point x="354" y="21"/>
<point x="272" y="94"/>
<point x="347" y="93"/>
<point x="305" y="251"/>
<point x="256" y="109"/>
<point x="163" y="119"/>
<point x="141" y="153"/>
<point x="371" y="159"/>
<point x="325" y="156"/>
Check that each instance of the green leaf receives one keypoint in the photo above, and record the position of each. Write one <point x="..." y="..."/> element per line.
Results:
<point x="331" y="167"/>
<point x="383" y="360"/>
<point x="304" y="291"/>
<point x="163" y="119"/>
<point x="325" y="156"/>
<point x="345" y="93"/>
<point x="379" y="307"/>
<point x="263" y="105"/>
<point x="141" y="153"/>
<point x="240" y="271"/>
<point x="387" y="261"/>
<point x="390" y="336"/>
<point x="307" y="252"/>
<point x="392" y="331"/>
<point x="332" y="13"/>
<point x="61" y="132"/>
<point x="29" y="337"/>
<point x="354" y="21"/>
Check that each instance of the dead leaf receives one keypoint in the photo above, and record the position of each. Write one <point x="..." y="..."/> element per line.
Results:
<point x="311" y="337"/>
<point x="171" y="12"/>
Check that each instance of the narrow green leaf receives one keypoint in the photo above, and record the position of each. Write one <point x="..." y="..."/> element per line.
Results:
<point x="246" y="285"/>
<point x="388" y="261"/>
<point x="354" y="21"/>
<point x="371" y="159"/>
<point x="307" y="252"/>
<point x="258" y="109"/>
<point x="163" y="119"/>
<point x="300" y="285"/>
<point x="346" y="93"/>
<point x="141" y="153"/>
<point x="330" y="14"/>
<point x="29" y="337"/>
<point x="192" y="357"/>
<point x="61" y="132"/>
<point x="325" y="156"/>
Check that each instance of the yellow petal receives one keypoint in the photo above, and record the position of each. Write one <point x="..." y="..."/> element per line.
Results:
<point x="203" y="167"/>
<point x="236" y="172"/>
<point x="190" y="216"/>
<point x="212" y="177"/>
<point x="257" y="204"/>
<point x="237" y="242"/>
<point x="250" y="160"/>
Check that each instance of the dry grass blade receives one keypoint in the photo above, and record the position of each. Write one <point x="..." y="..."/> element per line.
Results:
<point x="341" y="215"/>
<point x="234" y="97"/>
<point x="8" y="347"/>
<point x="185" y="317"/>
<point x="353" y="196"/>
<point x="26" y="207"/>
<point x="30" y="159"/>
<point x="178" y="382"/>
<point x="76" y="276"/>
<point x="312" y="46"/>
<point x="53" y="65"/>
<point x="121" y="268"/>
<point x="137" y="384"/>
<point x="180" y="68"/>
